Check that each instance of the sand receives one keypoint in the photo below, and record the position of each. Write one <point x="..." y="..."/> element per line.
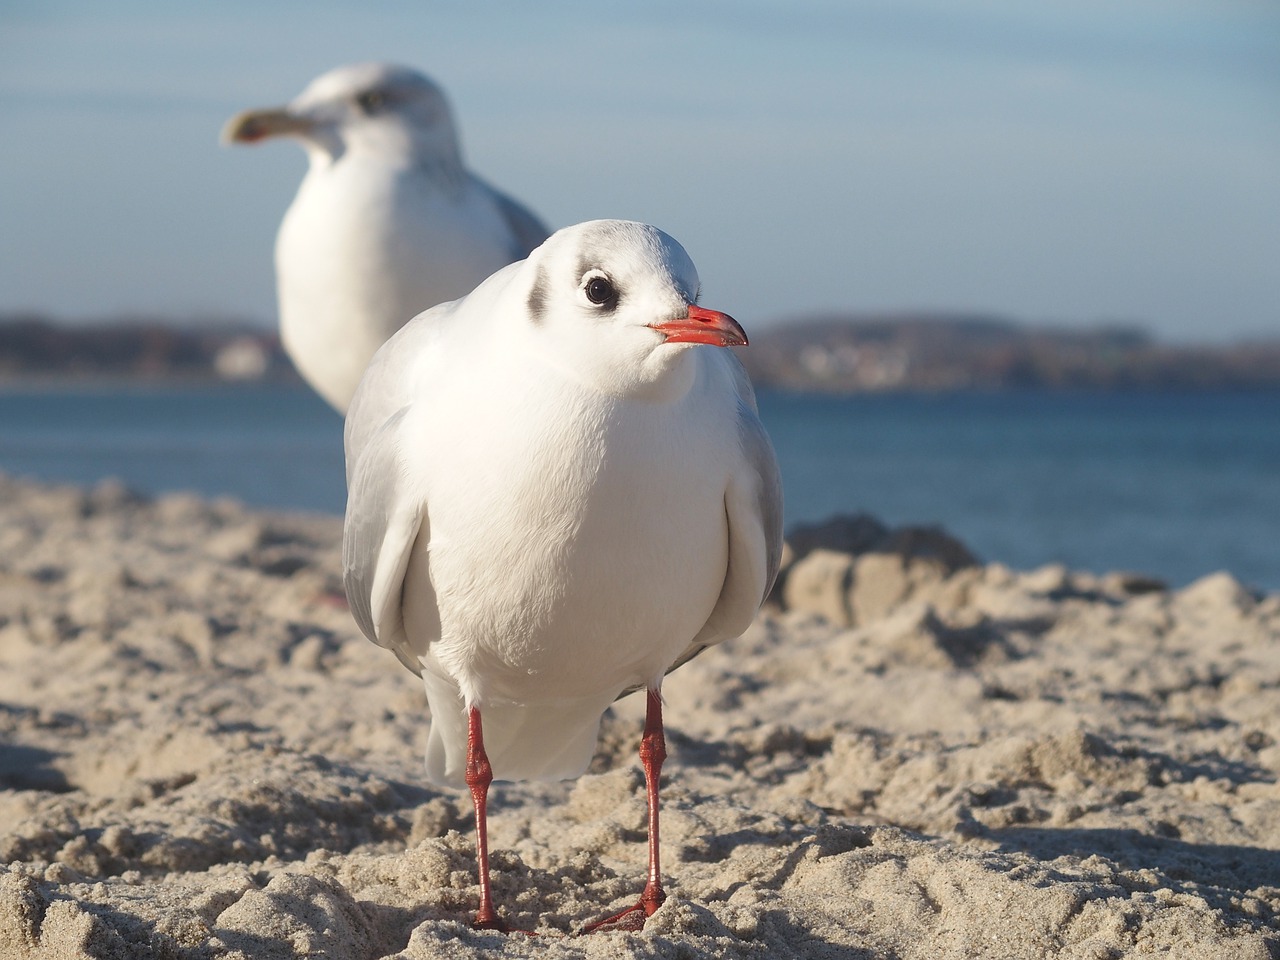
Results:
<point x="909" y="755"/>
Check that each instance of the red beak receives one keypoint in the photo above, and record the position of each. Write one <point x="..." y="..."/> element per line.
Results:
<point x="703" y="326"/>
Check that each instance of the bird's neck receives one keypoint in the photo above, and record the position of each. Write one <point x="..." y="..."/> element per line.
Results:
<point x="664" y="375"/>
<point x="447" y="173"/>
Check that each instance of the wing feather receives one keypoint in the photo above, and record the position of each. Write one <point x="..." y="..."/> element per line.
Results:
<point x="527" y="230"/>
<point x="382" y="525"/>
<point x="753" y="509"/>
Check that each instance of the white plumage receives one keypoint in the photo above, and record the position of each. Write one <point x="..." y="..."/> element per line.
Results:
<point x="555" y="495"/>
<point x="387" y="221"/>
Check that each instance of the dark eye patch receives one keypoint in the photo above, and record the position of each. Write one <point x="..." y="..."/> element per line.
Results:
<point x="372" y="101"/>
<point x="537" y="302"/>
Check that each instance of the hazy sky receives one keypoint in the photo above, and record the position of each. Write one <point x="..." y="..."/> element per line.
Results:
<point x="1066" y="161"/>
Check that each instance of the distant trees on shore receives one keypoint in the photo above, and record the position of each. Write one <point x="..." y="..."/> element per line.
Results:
<point x="837" y="354"/>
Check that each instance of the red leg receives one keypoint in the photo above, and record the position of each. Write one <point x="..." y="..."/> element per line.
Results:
<point x="653" y="750"/>
<point x="479" y="775"/>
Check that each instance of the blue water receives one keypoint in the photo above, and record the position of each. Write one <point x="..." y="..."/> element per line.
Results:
<point x="1175" y="485"/>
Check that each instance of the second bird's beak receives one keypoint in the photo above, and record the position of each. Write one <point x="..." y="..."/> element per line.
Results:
<point x="703" y="326"/>
<point x="250" y="126"/>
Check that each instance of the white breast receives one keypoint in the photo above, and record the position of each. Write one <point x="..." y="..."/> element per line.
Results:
<point x="571" y="554"/>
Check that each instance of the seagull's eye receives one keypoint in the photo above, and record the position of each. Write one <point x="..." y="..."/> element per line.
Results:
<point x="371" y="101"/>
<point x="600" y="291"/>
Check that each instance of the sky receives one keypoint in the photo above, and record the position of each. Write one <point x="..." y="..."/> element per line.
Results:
<point x="1065" y="162"/>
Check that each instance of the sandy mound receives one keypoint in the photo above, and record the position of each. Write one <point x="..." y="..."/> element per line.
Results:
<point x="919" y="756"/>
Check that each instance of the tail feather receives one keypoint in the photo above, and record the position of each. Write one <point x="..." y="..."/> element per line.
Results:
<point x="552" y="740"/>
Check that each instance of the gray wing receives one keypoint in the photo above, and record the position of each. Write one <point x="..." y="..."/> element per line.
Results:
<point x="527" y="230"/>
<point x="385" y="387"/>
<point x="758" y="451"/>
<point x="753" y="508"/>
<point x="381" y="527"/>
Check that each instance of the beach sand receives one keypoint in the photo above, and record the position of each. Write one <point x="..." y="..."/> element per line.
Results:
<point x="909" y="755"/>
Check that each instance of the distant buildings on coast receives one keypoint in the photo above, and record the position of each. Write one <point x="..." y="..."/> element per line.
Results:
<point x="837" y="354"/>
<point x="906" y="352"/>
<point x="33" y="347"/>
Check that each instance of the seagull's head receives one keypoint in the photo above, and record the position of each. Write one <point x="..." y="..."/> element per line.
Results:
<point x="615" y="302"/>
<point x="382" y="110"/>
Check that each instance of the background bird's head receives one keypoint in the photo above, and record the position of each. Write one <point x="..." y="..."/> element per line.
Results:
<point x="390" y="113"/>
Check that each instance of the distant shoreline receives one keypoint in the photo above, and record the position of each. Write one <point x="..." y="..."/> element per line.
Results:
<point x="89" y="383"/>
<point x="839" y="354"/>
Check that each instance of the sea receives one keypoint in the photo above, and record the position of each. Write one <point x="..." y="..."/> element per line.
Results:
<point x="1172" y="485"/>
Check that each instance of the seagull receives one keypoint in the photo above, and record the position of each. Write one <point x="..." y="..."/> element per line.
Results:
<point x="387" y="222"/>
<point x="558" y="491"/>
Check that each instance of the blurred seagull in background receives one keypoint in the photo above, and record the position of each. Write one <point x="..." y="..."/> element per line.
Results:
<point x="387" y="221"/>
<point x="558" y="491"/>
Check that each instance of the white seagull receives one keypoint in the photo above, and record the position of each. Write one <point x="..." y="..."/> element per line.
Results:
<point x="558" y="491"/>
<point x="387" y="221"/>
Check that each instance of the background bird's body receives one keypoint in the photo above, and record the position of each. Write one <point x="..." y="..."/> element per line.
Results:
<point x="352" y="246"/>
<point x="387" y="222"/>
